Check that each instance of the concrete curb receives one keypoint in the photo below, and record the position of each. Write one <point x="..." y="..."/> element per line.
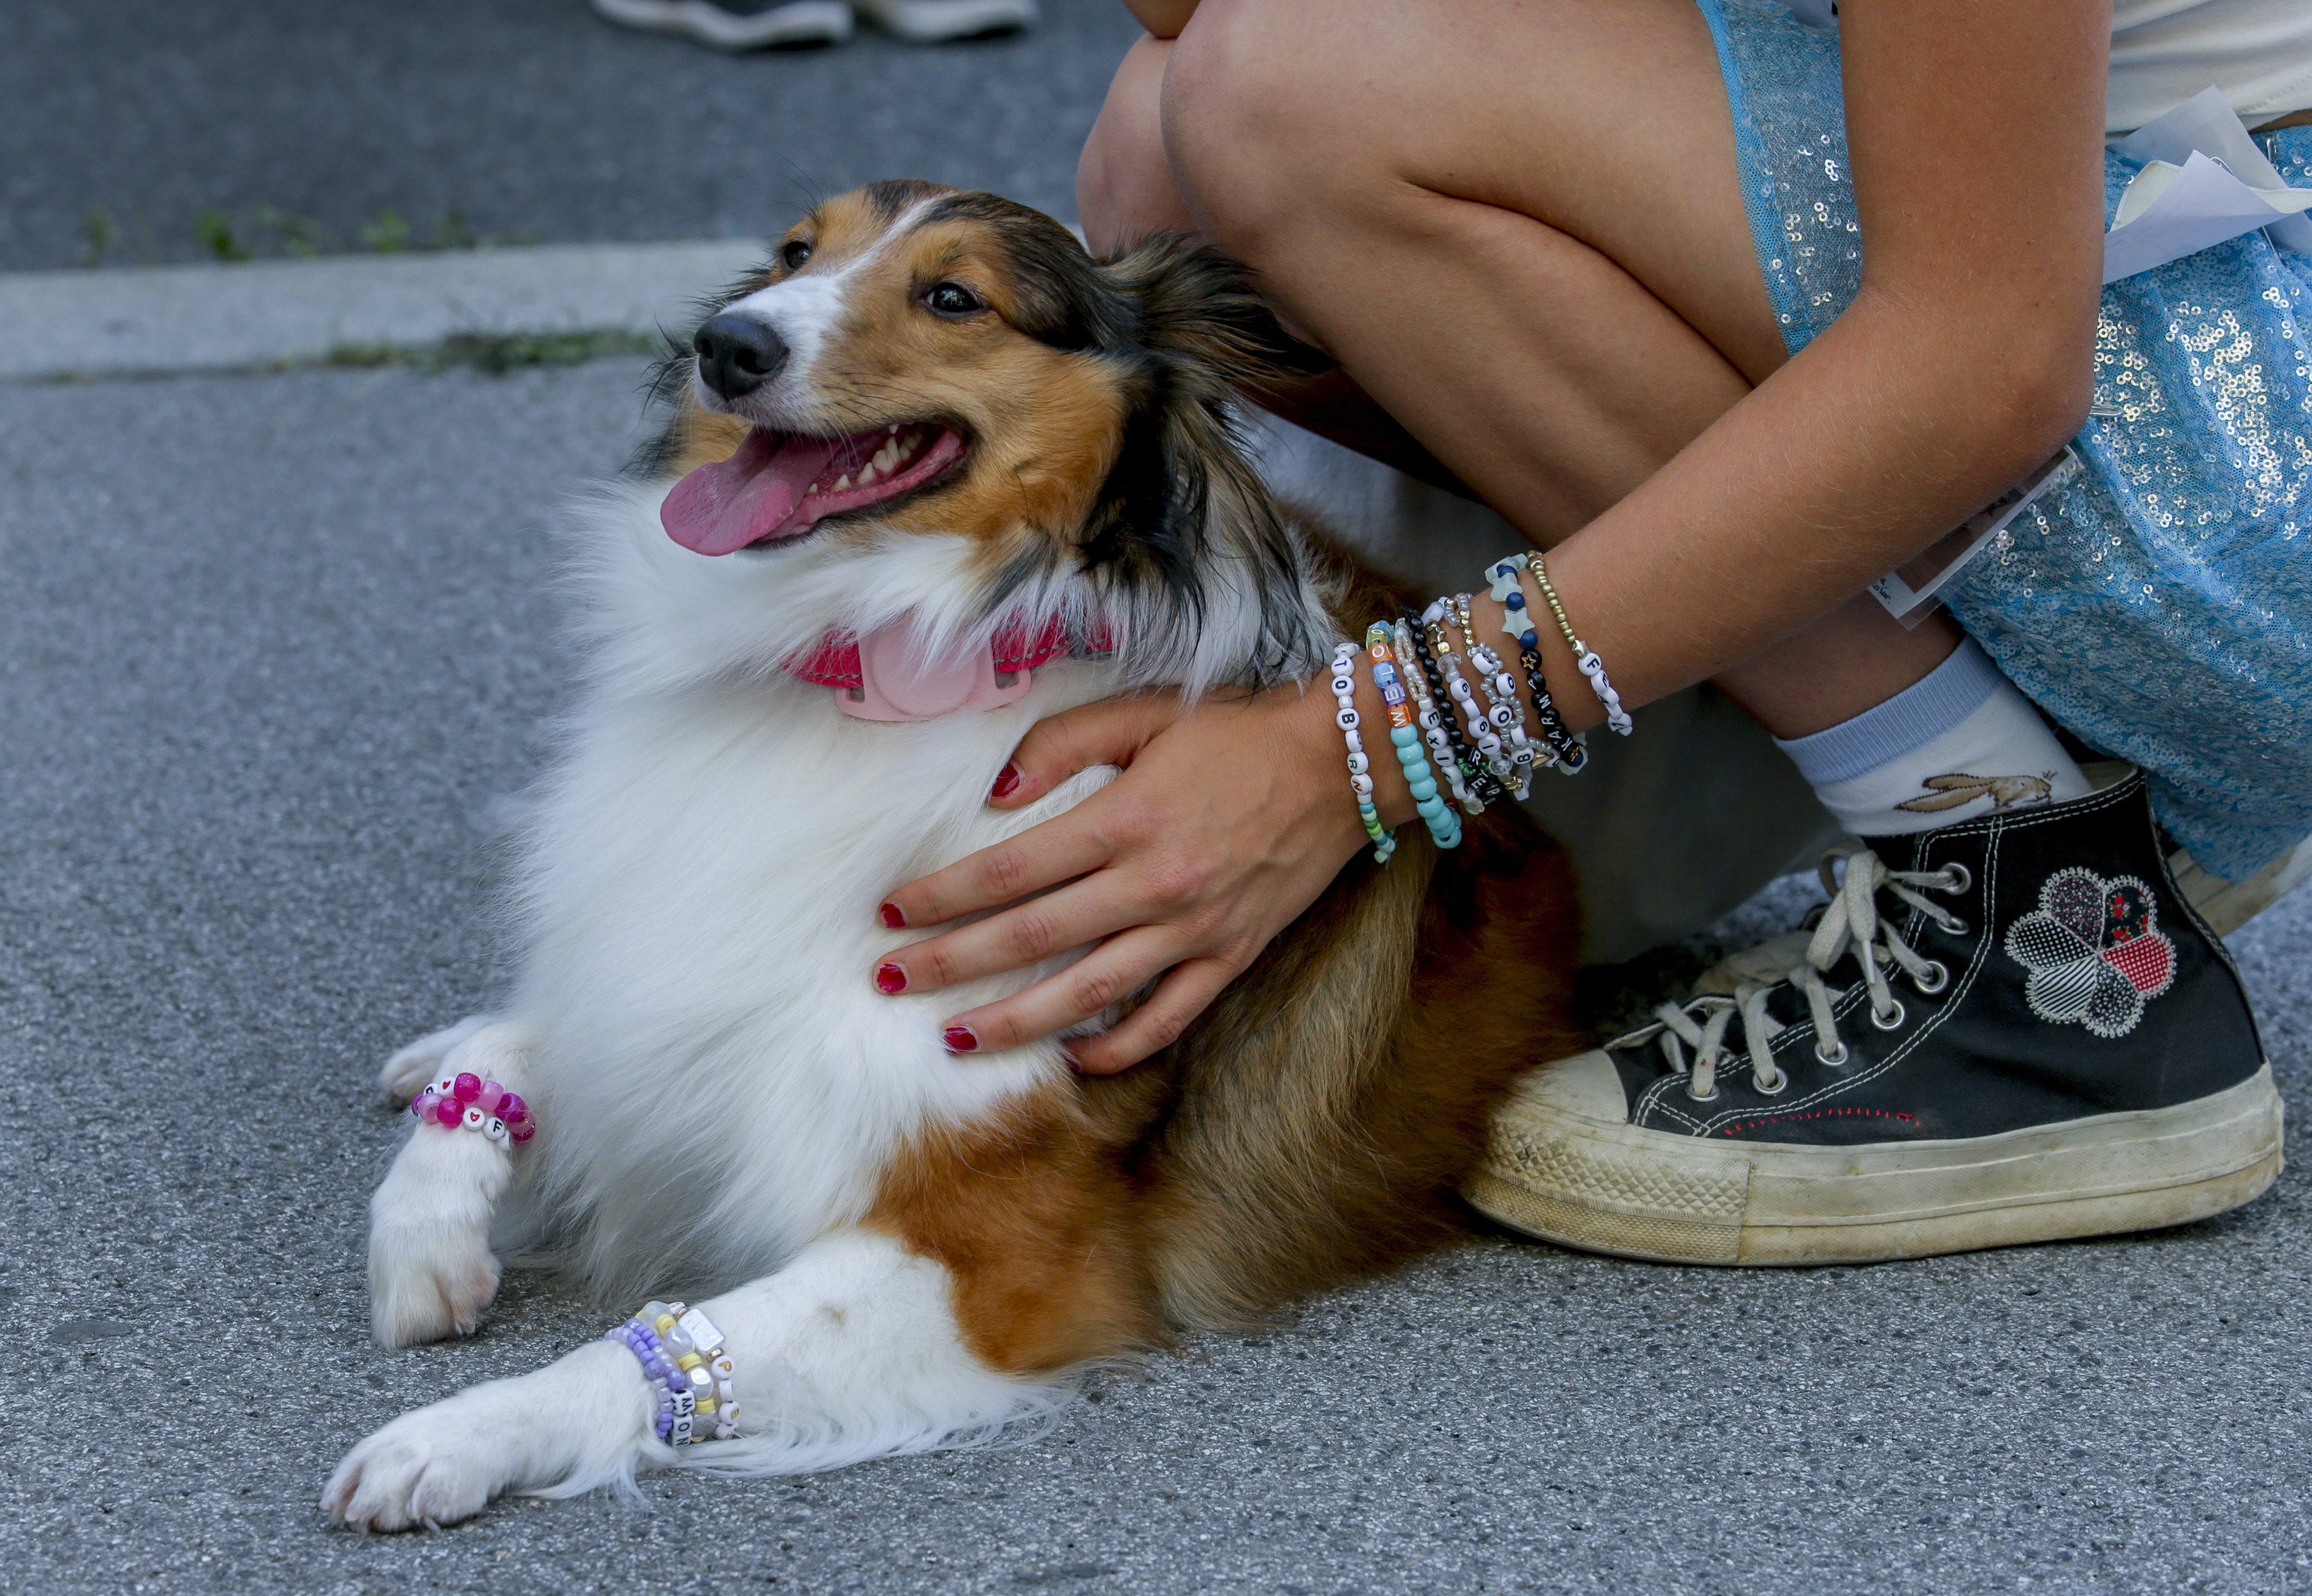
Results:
<point x="148" y="319"/>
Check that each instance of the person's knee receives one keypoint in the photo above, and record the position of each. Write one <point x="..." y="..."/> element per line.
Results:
<point x="1123" y="183"/>
<point x="1246" y="126"/>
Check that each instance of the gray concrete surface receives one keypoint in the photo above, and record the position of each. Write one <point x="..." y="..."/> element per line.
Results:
<point x="148" y="321"/>
<point x="273" y="650"/>
<point x="508" y="119"/>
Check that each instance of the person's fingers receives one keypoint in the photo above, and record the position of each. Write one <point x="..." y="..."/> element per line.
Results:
<point x="1156" y="1023"/>
<point x="1025" y="934"/>
<point x="1105" y="975"/>
<point x="1060" y="848"/>
<point x="1109" y="732"/>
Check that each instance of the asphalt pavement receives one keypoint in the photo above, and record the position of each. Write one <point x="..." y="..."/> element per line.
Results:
<point x="138" y="131"/>
<point x="276" y="652"/>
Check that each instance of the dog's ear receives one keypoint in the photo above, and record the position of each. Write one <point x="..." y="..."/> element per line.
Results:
<point x="1184" y="529"/>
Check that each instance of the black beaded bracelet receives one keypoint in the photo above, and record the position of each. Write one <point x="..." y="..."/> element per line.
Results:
<point x="1564" y="747"/>
<point x="1481" y="781"/>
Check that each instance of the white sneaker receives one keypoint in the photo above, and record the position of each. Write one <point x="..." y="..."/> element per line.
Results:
<point x="736" y="25"/>
<point x="935" y="21"/>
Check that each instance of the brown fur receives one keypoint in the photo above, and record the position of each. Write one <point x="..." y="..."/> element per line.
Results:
<point x="1311" y="1126"/>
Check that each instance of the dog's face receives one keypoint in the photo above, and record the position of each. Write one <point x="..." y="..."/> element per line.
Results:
<point x="914" y="359"/>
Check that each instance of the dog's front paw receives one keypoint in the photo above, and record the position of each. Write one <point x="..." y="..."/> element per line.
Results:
<point x="432" y="1467"/>
<point x="431" y="1270"/>
<point x="409" y="1071"/>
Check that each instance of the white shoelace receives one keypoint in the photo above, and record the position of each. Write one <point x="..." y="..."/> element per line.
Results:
<point x="1851" y="923"/>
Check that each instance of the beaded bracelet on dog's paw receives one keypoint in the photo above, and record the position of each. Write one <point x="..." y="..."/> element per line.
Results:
<point x="682" y="1353"/>
<point x="470" y="1101"/>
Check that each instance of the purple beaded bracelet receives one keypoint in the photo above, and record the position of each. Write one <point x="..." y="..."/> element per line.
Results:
<point x="476" y="1104"/>
<point x="682" y="1354"/>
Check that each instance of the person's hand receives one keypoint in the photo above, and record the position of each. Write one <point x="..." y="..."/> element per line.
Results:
<point x="1231" y="815"/>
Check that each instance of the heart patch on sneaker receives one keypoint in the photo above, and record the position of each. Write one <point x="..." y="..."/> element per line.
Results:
<point x="2095" y="951"/>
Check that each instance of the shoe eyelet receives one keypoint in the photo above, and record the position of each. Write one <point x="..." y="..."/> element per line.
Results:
<point x="1966" y="877"/>
<point x="1953" y="927"/>
<point x="1782" y="1085"/>
<point x="1832" y="1058"/>
<point x="1890" y="1021"/>
<point x="1695" y="1097"/>
<point x="1941" y="980"/>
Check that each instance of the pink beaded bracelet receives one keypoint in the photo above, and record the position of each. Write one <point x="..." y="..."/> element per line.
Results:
<point x="476" y="1104"/>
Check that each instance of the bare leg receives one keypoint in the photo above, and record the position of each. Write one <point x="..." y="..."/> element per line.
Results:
<point x="1553" y="290"/>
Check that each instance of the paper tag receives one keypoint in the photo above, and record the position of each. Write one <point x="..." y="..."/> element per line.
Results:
<point x="2204" y="181"/>
<point x="1908" y="591"/>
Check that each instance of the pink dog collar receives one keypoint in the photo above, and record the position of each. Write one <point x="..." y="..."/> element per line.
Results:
<point x="889" y="676"/>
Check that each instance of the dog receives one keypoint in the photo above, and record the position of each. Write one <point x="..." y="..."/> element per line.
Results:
<point x="930" y="474"/>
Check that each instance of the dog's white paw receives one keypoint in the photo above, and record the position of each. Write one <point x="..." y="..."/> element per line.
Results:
<point x="431" y="1270"/>
<point x="432" y="1467"/>
<point x="412" y="1067"/>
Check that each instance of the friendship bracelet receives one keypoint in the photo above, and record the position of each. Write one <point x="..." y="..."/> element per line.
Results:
<point x="1566" y="751"/>
<point x="1424" y="711"/>
<point x="682" y="1354"/>
<point x="1488" y="736"/>
<point x="1444" y="826"/>
<point x="1473" y="790"/>
<point x="1584" y="657"/>
<point x="470" y="1102"/>
<point x="1457" y="694"/>
<point x="1506" y="714"/>
<point x="1344" y="694"/>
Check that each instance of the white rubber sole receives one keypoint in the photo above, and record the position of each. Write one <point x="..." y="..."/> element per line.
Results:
<point x="935" y="22"/>
<point x="802" y="21"/>
<point x="1587" y="1183"/>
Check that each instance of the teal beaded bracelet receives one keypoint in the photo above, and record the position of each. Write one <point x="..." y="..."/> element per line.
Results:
<point x="1444" y="824"/>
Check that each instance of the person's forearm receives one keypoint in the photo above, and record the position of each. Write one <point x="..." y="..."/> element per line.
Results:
<point x="1881" y="437"/>
<point x="1163" y="19"/>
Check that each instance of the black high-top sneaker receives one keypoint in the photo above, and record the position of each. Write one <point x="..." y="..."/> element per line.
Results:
<point x="2036" y="1037"/>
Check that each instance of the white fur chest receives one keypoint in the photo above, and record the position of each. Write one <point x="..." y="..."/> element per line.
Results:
<point x="721" y="1079"/>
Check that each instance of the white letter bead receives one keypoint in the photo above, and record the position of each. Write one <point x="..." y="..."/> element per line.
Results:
<point x="1345" y="686"/>
<point x="1359" y="764"/>
<point x="1502" y="716"/>
<point x="685" y="1404"/>
<point x="1362" y="786"/>
<point x="494" y="1129"/>
<point x="724" y="1369"/>
<point x="1505" y="684"/>
<point x="1356" y="742"/>
<point x="680" y="1433"/>
<point x="475" y="1119"/>
<point x="704" y="1336"/>
<point x="1346" y="720"/>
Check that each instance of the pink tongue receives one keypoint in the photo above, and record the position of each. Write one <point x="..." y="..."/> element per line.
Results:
<point x="753" y="495"/>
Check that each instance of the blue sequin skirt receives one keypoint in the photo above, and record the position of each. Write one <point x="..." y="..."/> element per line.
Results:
<point x="2160" y="604"/>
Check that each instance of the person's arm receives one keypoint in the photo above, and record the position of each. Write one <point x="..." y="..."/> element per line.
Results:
<point x="1976" y="132"/>
<point x="1163" y="19"/>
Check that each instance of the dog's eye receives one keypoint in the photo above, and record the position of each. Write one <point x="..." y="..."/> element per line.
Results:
<point x="953" y="299"/>
<point x="793" y="253"/>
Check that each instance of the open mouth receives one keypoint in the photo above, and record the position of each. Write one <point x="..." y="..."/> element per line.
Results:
<point x="779" y="485"/>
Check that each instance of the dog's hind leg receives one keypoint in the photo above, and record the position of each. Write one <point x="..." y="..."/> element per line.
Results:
<point x="855" y="1350"/>
<point x="431" y="1270"/>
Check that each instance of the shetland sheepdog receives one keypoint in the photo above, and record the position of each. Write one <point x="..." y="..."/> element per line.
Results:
<point x="930" y="428"/>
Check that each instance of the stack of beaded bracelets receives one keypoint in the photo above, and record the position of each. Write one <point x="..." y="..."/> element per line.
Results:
<point x="476" y="1104"/>
<point x="1344" y="694"/>
<point x="681" y="1352"/>
<point x="1565" y="750"/>
<point x="1444" y="826"/>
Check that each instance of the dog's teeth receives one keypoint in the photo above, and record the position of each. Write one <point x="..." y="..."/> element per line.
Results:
<point x="867" y="474"/>
<point x="886" y="458"/>
<point x="841" y="483"/>
<point x="892" y="428"/>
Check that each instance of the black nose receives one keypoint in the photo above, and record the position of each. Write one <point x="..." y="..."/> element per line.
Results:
<point x="737" y="354"/>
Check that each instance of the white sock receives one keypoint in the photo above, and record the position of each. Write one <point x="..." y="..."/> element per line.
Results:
<point x="1958" y="744"/>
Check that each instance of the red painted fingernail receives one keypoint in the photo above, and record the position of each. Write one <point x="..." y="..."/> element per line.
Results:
<point x="894" y="918"/>
<point x="960" y="1039"/>
<point x="1007" y="782"/>
<point x="890" y="980"/>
